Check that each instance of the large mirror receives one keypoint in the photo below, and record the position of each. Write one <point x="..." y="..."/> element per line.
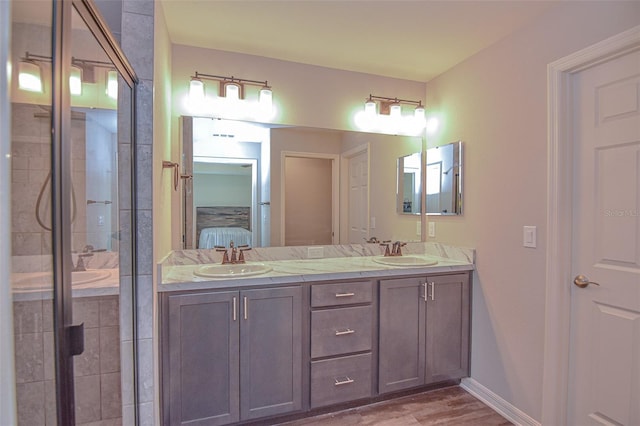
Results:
<point x="267" y="185"/>
<point x="409" y="193"/>
<point x="444" y="179"/>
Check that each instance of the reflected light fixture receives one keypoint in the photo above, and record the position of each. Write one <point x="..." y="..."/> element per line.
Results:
<point x="29" y="76"/>
<point x="80" y="71"/>
<point x="112" y="84"/>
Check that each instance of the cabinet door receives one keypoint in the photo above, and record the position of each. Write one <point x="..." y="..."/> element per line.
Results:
<point x="402" y="334"/>
<point x="270" y="352"/>
<point x="203" y="359"/>
<point x="447" y="328"/>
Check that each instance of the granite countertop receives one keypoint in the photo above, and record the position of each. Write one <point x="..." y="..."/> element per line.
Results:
<point x="182" y="277"/>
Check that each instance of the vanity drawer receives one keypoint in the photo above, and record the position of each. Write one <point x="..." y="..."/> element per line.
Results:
<point x="340" y="379"/>
<point x="341" y="330"/>
<point x="341" y="293"/>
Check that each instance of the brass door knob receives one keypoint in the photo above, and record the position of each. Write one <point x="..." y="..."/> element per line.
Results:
<point x="582" y="281"/>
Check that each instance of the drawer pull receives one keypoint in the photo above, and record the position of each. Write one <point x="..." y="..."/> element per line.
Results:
<point x="346" y="380"/>
<point x="345" y="294"/>
<point x="343" y="332"/>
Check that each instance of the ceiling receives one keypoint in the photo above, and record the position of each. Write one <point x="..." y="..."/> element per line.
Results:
<point x="414" y="40"/>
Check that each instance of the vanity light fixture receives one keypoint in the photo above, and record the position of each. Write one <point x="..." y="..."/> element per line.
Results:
<point x="391" y="106"/>
<point x="385" y="114"/>
<point x="231" y="88"/>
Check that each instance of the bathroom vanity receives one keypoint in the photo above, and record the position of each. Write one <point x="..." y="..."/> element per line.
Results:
<point x="309" y="334"/>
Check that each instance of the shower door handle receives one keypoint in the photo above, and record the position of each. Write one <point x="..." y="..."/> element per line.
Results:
<point x="75" y="339"/>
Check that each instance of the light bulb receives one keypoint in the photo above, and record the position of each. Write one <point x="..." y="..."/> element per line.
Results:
<point x="419" y="112"/>
<point x="232" y="91"/>
<point x="370" y="108"/>
<point x="266" y="97"/>
<point x="29" y="78"/>
<point x="75" y="80"/>
<point x="395" y="110"/>
<point x="196" y="91"/>
<point x="112" y="84"/>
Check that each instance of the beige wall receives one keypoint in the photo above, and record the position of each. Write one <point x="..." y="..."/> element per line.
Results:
<point x="496" y="102"/>
<point x="166" y="201"/>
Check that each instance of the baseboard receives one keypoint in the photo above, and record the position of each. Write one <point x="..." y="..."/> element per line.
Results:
<point x="504" y="408"/>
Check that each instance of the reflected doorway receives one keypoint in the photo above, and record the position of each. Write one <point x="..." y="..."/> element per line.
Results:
<point x="309" y="199"/>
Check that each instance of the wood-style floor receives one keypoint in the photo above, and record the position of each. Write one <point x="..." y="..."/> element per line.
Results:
<point x="450" y="406"/>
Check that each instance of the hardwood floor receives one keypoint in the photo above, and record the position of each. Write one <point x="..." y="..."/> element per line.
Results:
<point x="448" y="406"/>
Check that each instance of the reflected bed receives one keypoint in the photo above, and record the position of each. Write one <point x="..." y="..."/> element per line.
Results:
<point x="219" y="225"/>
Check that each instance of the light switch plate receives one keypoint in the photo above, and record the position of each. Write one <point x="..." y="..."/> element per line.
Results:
<point x="529" y="236"/>
<point x="372" y="224"/>
<point x="418" y="228"/>
<point x="432" y="229"/>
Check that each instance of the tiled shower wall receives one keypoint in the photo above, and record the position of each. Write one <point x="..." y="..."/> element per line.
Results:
<point x="97" y="370"/>
<point x="30" y="180"/>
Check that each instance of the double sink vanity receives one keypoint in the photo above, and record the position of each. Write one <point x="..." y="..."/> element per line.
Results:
<point x="284" y="336"/>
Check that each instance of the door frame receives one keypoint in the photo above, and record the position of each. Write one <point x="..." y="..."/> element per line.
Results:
<point x="560" y="75"/>
<point x="335" y="190"/>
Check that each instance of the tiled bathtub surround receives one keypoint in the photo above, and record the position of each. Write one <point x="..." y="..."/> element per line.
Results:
<point x="97" y="370"/>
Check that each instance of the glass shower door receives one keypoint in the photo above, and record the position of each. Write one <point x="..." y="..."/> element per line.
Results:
<point x="72" y="265"/>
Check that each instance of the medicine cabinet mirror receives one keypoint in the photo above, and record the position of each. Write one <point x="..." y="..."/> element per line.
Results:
<point x="444" y="179"/>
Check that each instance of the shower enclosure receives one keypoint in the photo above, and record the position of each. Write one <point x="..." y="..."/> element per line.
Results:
<point x="72" y="235"/>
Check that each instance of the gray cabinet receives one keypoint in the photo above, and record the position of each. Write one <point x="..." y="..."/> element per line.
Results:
<point x="232" y="355"/>
<point x="424" y="331"/>
<point x="342" y="335"/>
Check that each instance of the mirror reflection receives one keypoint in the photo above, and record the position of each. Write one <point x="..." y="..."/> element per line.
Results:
<point x="409" y="183"/>
<point x="272" y="185"/>
<point x="444" y="179"/>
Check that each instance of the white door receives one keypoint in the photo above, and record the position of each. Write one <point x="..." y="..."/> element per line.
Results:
<point x="358" y="198"/>
<point x="604" y="377"/>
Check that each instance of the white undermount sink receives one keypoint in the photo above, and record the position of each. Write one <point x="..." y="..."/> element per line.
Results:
<point x="405" y="260"/>
<point x="231" y="270"/>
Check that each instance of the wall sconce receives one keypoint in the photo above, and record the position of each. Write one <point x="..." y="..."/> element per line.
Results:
<point x="231" y="89"/>
<point x="384" y="114"/>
